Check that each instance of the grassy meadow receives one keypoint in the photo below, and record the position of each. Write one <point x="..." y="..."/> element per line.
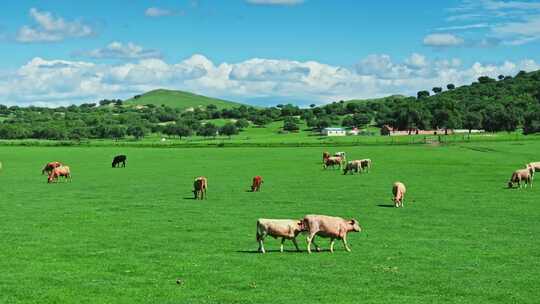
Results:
<point x="127" y="235"/>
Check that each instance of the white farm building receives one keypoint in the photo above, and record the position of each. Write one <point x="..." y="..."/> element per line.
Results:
<point x="334" y="132"/>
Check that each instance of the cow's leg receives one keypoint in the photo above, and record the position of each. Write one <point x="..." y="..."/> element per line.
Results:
<point x="309" y="240"/>
<point x="316" y="246"/>
<point x="344" y="240"/>
<point x="261" y="245"/>
<point x="281" y="245"/>
<point x="295" y="244"/>
<point x="332" y="240"/>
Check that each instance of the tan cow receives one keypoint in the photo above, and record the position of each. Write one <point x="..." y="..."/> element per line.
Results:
<point x="57" y="172"/>
<point x="398" y="190"/>
<point x="329" y="227"/>
<point x="519" y="176"/>
<point x="278" y="228"/>
<point x="333" y="161"/>
<point x="199" y="187"/>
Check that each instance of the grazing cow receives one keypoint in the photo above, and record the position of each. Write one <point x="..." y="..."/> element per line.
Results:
<point x="519" y="176"/>
<point x="62" y="171"/>
<point x="329" y="227"/>
<point x="199" y="187"/>
<point x="256" y="184"/>
<point x="333" y="161"/>
<point x="285" y="229"/>
<point x="353" y="166"/>
<point x="325" y="155"/>
<point x="119" y="159"/>
<point x="398" y="190"/>
<point x="50" y="166"/>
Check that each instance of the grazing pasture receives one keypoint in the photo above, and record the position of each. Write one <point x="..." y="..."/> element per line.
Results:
<point x="128" y="236"/>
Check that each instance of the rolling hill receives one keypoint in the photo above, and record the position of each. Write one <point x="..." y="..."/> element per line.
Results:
<point x="179" y="99"/>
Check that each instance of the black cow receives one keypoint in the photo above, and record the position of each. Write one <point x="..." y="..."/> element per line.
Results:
<point x="119" y="159"/>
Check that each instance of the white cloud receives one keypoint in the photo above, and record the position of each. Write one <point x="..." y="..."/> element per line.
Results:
<point x="443" y="40"/>
<point x="50" y="28"/>
<point x="275" y="2"/>
<point x="158" y="12"/>
<point x="61" y="82"/>
<point x="118" y="50"/>
<point x="519" y="32"/>
<point x="463" y="27"/>
<point x="506" y="22"/>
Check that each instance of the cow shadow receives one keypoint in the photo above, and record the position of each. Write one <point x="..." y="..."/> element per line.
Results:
<point x="386" y="206"/>
<point x="270" y="251"/>
<point x="189" y="198"/>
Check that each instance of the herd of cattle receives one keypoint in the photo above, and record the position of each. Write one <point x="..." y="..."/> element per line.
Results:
<point x="313" y="225"/>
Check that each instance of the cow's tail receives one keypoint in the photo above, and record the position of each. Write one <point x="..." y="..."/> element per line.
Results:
<point x="258" y="234"/>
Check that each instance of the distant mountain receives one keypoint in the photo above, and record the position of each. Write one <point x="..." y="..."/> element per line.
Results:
<point x="179" y="99"/>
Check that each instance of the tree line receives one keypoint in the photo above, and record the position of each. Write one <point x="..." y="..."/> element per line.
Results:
<point x="503" y="104"/>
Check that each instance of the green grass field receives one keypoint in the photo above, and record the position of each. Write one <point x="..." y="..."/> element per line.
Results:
<point x="126" y="235"/>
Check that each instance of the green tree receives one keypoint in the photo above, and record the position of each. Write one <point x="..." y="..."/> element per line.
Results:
<point x="242" y="123"/>
<point x="137" y="131"/>
<point x="472" y="120"/>
<point x="228" y="129"/>
<point x="208" y="130"/>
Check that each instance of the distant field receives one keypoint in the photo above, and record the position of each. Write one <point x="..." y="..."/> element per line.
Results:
<point x="126" y="235"/>
<point x="179" y="99"/>
<point x="271" y="135"/>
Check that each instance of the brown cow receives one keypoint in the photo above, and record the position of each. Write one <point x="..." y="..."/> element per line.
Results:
<point x="398" y="190"/>
<point x="285" y="229"/>
<point x="522" y="175"/>
<point x="256" y="184"/>
<point x="50" y="166"/>
<point x="199" y="187"/>
<point x="62" y="171"/>
<point x="365" y="164"/>
<point x="333" y="161"/>
<point x="331" y="227"/>
<point x="325" y="155"/>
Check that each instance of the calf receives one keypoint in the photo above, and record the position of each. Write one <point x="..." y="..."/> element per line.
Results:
<point x="256" y="184"/>
<point x="522" y="175"/>
<point x="330" y="227"/>
<point x="285" y="229"/>
<point x="199" y="187"/>
<point x="398" y="190"/>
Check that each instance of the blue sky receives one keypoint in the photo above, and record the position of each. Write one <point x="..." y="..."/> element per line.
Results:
<point x="258" y="51"/>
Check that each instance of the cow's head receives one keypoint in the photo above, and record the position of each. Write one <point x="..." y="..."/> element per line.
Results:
<point x="355" y="225"/>
<point x="510" y="184"/>
<point x="300" y="225"/>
